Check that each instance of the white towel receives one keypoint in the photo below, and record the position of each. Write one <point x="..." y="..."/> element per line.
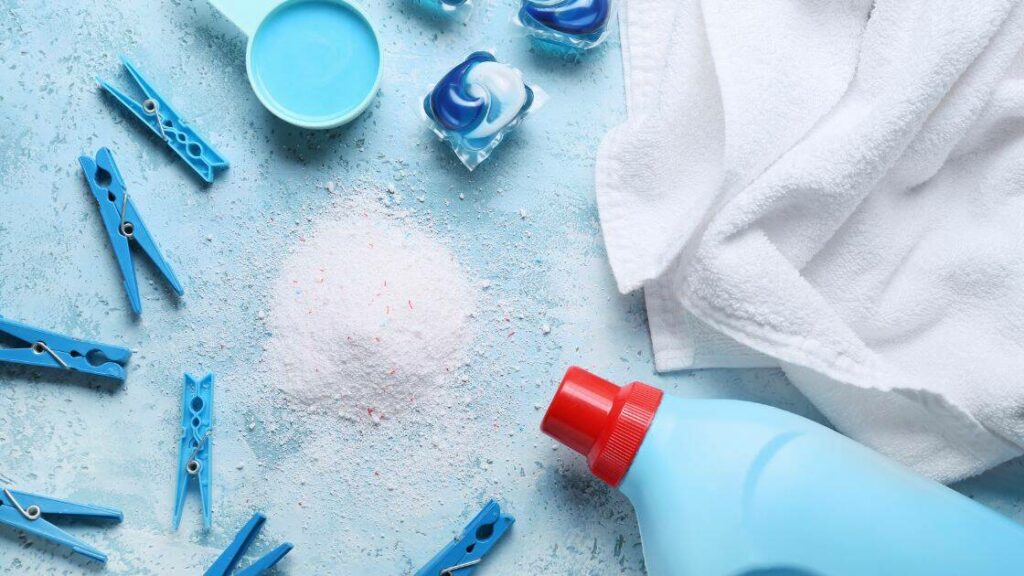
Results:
<point x="835" y="187"/>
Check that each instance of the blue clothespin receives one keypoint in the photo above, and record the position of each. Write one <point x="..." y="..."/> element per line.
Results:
<point x="52" y="350"/>
<point x="227" y="561"/>
<point x="123" y="223"/>
<point x="194" y="456"/>
<point x="157" y="114"/>
<point x="463" y="555"/>
<point x="28" y="513"/>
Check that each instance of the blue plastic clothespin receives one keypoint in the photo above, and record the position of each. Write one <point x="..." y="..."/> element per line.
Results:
<point x="123" y="223"/>
<point x="157" y="114"/>
<point x="461" y="557"/>
<point x="51" y="350"/>
<point x="28" y="513"/>
<point x="196" y="446"/>
<point x="227" y="561"/>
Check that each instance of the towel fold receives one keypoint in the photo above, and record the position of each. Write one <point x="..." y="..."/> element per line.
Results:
<point x="835" y="187"/>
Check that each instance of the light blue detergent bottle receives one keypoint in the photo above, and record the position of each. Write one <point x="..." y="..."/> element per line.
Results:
<point x="730" y="488"/>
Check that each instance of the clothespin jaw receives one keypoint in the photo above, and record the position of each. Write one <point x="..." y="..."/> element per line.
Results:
<point x="51" y="350"/>
<point x="227" y="561"/>
<point x="123" y="223"/>
<point x="194" y="459"/>
<point x="461" y="557"/>
<point x="158" y="115"/>
<point x="29" y="512"/>
<point x="268" y="561"/>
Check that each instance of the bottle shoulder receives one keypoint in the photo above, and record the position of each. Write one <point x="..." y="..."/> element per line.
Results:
<point x="722" y="439"/>
<point x="740" y="413"/>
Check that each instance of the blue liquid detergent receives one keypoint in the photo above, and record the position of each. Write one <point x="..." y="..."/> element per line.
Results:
<point x="730" y="488"/>
<point x="477" y="104"/>
<point x="315" y="60"/>
<point x="574" y="24"/>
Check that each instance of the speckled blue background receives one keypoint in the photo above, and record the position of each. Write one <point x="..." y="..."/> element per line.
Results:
<point x="116" y="445"/>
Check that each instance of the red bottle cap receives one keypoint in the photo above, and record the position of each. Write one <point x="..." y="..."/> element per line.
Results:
<point x="604" y="422"/>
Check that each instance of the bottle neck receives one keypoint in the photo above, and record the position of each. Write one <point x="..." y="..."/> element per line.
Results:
<point x="604" y="422"/>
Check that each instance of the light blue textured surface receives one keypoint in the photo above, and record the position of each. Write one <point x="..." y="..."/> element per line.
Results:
<point x="116" y="445"/>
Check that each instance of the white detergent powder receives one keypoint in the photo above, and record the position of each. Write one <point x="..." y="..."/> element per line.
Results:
<point x="370" y="317"/>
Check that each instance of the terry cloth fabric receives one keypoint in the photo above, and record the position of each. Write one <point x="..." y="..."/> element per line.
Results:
<point x="835" y="187"/>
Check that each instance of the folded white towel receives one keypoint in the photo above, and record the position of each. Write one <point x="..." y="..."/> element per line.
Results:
<point x="836" y="187"/>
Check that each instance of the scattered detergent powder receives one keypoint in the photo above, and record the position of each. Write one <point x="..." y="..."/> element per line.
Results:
<point x="370" y="317"/>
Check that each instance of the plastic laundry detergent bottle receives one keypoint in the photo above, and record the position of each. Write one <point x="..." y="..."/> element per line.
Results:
<point x="730" y="488"/>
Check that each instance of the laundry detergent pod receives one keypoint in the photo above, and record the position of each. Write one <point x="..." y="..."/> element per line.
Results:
<point x="574" y="24"/>
<point x="477" y="104"/>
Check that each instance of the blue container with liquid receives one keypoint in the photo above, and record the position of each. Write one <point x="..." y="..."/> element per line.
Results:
<point x="730" y="488"/>
<point x="313" y="63"/>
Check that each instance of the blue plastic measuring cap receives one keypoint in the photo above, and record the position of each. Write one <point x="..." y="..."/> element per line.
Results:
<point x="312" y="63"/>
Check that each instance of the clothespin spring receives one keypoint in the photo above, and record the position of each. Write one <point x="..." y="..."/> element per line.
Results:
<point x="40" y="347"/>
<point x="127" y="228"/>
<point x="193" y="465"/>
<point x="451" y="570"/>
<point x="152" y="107"/>
<point x="31" y="513"/>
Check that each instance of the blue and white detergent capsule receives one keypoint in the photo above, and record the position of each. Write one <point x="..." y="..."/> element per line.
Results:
<point x="574" y="24"/>
<point x="458" y="9"/>
<point x="477" y="104"/>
